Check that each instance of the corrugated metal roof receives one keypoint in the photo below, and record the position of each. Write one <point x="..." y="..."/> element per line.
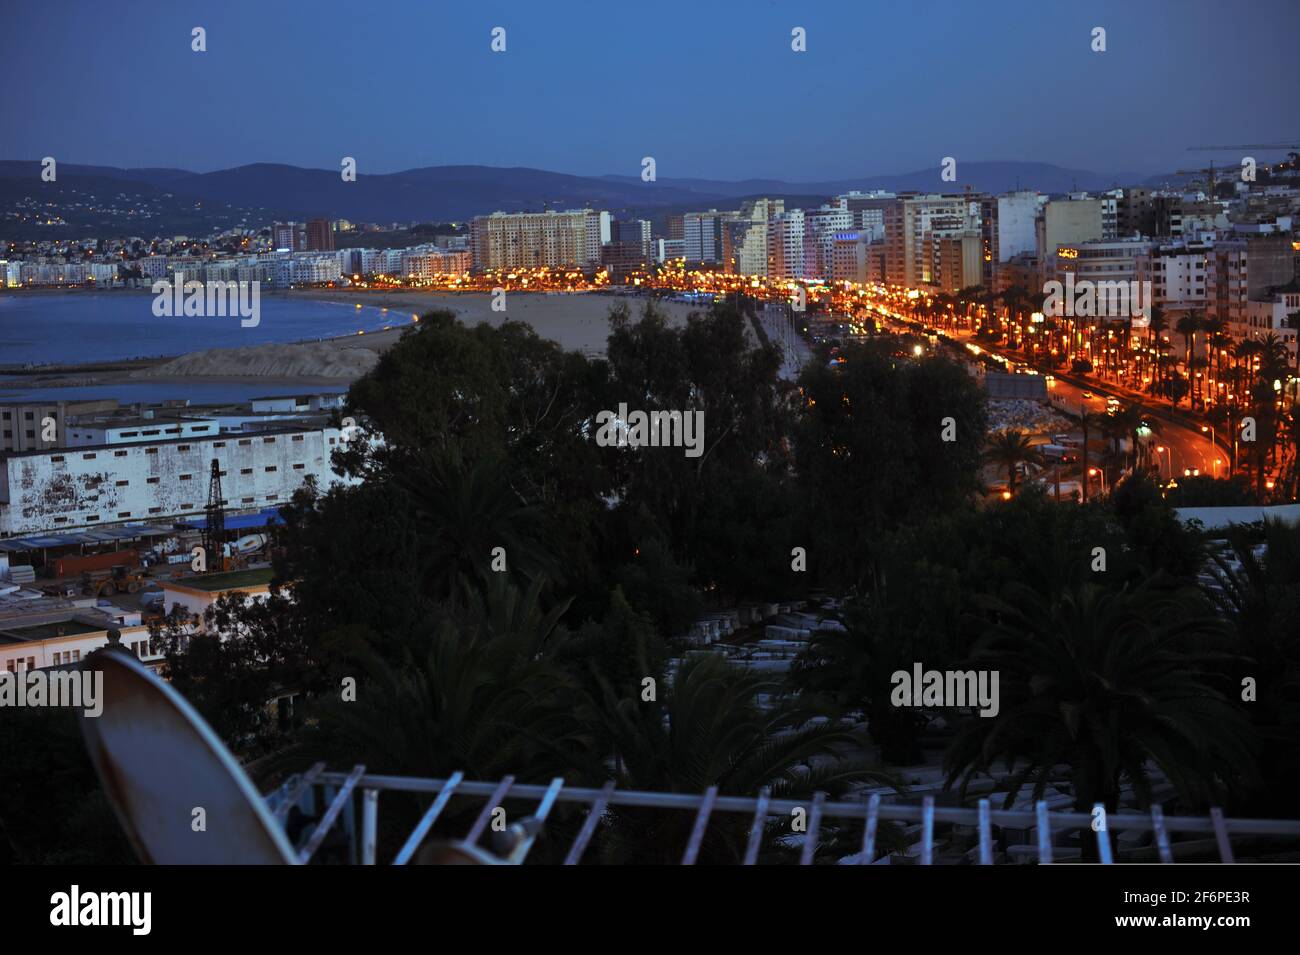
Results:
<point x="270" y="515"/>
<point x="100" y="535"/>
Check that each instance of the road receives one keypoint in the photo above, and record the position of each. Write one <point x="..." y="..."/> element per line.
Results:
<point x="1186" y="449"/>
<point x="779" y="329"/>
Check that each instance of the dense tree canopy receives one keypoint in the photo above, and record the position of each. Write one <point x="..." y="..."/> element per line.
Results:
<point x="510" y="595"/>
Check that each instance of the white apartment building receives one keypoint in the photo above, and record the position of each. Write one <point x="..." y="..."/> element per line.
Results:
<point x="820" y="228"/>
<point x="744" y="238"/>
<point x="785" y="245"/>
<point x="868" y="211"/>
<point x="87" y="486"/>
<point x="1273" y="316"/>
<point x="153" y="266"/>
<point x="1017" y="214"/>
<point x="315" y="268"/>
<point x="425" y="264"/>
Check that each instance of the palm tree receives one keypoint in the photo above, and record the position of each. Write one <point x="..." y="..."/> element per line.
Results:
<point x="993" y="323"/>
<point x="466" y="511"/>
<point x="1263" y="408"/>
<point x="486" y="697"/>
<point x="1243" y="355"/>
<point x="970" y="297"/>
<point x="1188" y="324"/>
<point x="1106" y="683"/>
<point x="1218" y="339"/>
<point x="1196" y="372"/>
<point x="1131" y="422"/>
<point x="1177" y="387"/>
<point x="1088" y="420"/>
<point x="1257" y="589"/>
<point x="1009" y="449"/>
<point x="846" y="668"/>
<point x="1159" y="324"/>
<point x="1014" y="299"/>
<point x="1223" y="417"/>
<point x="1293" y="323"/>
<point x="1274" y="362"/>
<point x="707" y="729"/>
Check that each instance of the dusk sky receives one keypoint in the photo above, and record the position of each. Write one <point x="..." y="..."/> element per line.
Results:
<point x="591" y="87"/>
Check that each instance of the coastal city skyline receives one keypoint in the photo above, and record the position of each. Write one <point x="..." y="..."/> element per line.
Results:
<point x="582" y="434"/>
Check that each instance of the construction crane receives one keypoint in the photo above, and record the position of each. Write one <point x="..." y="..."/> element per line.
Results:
<point x="1291" y="147"/>
<point x="214" y="523"/>
<point x="1226" y="149"/>
<point x="1208" y="172"/>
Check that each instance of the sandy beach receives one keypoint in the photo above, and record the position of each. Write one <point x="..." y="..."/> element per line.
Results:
<point x="576" y="321"/>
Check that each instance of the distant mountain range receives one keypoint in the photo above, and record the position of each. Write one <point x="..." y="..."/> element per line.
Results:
<point x="96" y="196"/>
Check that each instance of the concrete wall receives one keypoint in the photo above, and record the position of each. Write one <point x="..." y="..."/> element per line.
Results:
<point x="89" y="487"/>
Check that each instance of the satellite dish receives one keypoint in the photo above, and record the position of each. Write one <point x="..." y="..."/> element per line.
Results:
<point x="159" y="762"/>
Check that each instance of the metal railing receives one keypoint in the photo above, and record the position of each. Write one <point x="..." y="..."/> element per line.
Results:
<point x="339" y="807"/>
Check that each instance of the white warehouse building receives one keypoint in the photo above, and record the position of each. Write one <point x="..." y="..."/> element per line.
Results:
<point x="65" y="488"/>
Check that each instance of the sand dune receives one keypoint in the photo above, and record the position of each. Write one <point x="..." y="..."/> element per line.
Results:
<point x="342" y="358"/>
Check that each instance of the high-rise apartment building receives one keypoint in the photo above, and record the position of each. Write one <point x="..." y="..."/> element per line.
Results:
<point x="868" y="211"/>
<point x="320" y="235"/>
<point x="785" y="241"/>
<point x="1066" y="222"/>
<point x="820" y="228"/>
<point x="908" y="222"/>
<point x="290" y="236"/>
<point x="1017" y="212"/>
<point x="702" y="232"/>
<point x="744" y="238"/>
<point x="527" y="240"/>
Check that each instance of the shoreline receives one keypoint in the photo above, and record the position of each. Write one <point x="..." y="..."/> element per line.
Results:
<point x="576" y="321"/>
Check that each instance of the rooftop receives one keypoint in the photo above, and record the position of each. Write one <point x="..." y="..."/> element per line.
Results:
<point x="231" y="580"/>
<point x="269" y="430"/>
<point x="70" y="627"/>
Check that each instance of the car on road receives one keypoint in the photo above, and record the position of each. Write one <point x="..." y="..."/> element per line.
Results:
<point x="1088" y="395"/>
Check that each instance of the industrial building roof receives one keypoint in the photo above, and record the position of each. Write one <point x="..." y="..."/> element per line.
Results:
<point x="270" y="429"/>
<point x="100" y="535"/>
<point x="269" y="515"/>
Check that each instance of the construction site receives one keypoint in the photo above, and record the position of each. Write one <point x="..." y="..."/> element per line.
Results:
<point x="60" y="594"/>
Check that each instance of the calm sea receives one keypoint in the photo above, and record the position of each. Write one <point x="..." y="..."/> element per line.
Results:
<point x="76" y="327"/>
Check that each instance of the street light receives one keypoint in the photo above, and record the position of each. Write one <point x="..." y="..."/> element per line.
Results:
<point x="1160" y="449"/>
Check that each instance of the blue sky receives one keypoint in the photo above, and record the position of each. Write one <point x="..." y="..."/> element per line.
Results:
<point x="708" y="88"/>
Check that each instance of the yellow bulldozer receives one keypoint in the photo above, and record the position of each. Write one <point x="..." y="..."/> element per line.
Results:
<point x="118" y="580"/>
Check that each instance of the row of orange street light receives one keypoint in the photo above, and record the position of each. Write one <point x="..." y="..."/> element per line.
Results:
<point x="850" y="299"/>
